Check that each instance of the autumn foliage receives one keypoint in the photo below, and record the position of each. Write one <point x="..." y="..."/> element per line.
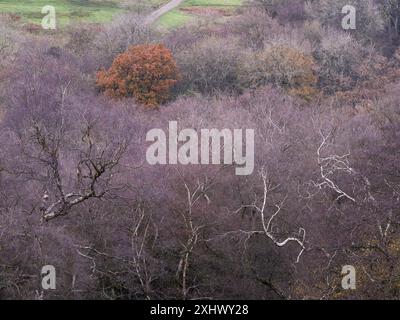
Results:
<point x="284" y="67"/>
<point x="291" y="69"/>
<point x="145" y="72"/>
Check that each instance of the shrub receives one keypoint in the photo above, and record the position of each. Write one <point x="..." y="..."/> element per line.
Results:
<point x="256" y="30"/>
<point x="254" y="27"/>
<point x="116" y="37"/>
<point x="9" y="41"/>
<point x="284" y="67"/>
<point x="287" y="11"/>
<point x="9" y="46"/>
<point x="329" y="14"/>
<point x="342" y="60"/>
<point x="80" y="38"/>
<point x="210" y="65"/>
<point x="145" y="72"/>
<point x="391" y="14"/>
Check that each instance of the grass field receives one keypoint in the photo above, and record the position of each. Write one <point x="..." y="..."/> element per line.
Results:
<point x="173" y="19"/>
<point x="66" y="11"/>
<point x="182" y="14"/>
<point x="98" y="11"/>
<point x="71" y="11"/>
<point x="210" y="3"/>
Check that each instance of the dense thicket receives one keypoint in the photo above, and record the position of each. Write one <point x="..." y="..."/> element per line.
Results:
<point x="76" y="191"/>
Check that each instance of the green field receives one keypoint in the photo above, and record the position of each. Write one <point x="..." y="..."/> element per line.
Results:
<point x="100" y="11"/>
<point x="66" y="11"/>
<point x="210" y="3"/>
<point x="179" y="16"/>
<point x="173" y="19"/>
<point x="71" y="11"/>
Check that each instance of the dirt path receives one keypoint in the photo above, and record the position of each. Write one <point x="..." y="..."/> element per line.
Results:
<point x="163" y="10"/>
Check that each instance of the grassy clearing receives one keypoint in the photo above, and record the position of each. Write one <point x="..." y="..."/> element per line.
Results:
<point x="173" y="19"/>
<point x="73" y="11"/>
<point x="182" y="15"/>
<point x="213" y="3"/>
<point x="91" y="11"/>
<point x="66" y="11"/>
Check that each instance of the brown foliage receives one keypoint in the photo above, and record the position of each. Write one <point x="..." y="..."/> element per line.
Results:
<point x="145" y="72"/>
<point x="284" y="67"/>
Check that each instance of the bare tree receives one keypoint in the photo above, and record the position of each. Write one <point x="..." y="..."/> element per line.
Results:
<point x="94" y="172"/>
<point x="268" y="224"/>
<point x="331" y="165"/>
<point x="193" y="196"/>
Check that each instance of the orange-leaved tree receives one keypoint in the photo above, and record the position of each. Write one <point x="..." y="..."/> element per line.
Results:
<point x="146" y="72"/>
